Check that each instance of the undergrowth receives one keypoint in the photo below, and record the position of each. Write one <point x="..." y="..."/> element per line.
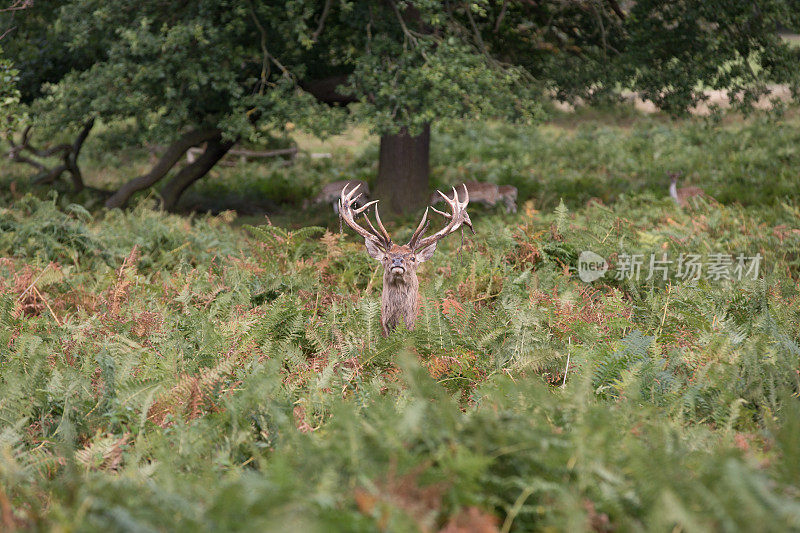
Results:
<point x="161" y="372"/>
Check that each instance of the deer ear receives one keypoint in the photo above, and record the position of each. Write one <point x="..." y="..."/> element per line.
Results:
<point x="373" y="250"/>
<point x="426" y="253"/>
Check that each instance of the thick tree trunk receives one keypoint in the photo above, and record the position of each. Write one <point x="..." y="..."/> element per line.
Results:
<point x="403" y="171"/>
<point x="215" y="150"/>
<point x="170" y="158"/>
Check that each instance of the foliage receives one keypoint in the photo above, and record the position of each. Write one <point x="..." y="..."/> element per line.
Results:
<point x="165" y="373"/>
<point x="222" y="72"/>
<point x="9" y="96"/>
<point x="190" y="67"/>
<point x="255" y="66"/>
<point x="251" y="68"/>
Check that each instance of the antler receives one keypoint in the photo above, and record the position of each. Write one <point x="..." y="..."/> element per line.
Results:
<point x="349" y="214"/>
<point x="458" y="217"/>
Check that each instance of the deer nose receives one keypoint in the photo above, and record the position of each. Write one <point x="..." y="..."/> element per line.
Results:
<point x="397" y="262"/>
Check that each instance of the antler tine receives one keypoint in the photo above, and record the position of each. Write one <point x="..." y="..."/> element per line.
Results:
<point x="427" y="225"/>
<point x="364" y="207"/>
<point x="349" y="194"/>
<point x="371" y="226"/>
<point x="456" y="218"/>
<point x="443" y="195"/>
<point x="380" y="225"/>
<point x="347" y="213"/>
<point x="420" y="229"/>
<point x="452" y="202"/>
<point x="467" y="221"/>
<point x="445" y="215"/>
<point x="343" y="196"/>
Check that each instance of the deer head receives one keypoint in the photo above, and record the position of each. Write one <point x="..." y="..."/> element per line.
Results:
<point x="400" y="297"/>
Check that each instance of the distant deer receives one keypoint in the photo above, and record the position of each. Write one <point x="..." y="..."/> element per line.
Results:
<point x="400" y="297"/>
<point x="682" y="195"/>
<point x="489" y="194"/>
<point x="331" y="192"/>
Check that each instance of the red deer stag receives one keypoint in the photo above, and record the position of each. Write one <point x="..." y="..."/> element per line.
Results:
<point x="400" y="297"/>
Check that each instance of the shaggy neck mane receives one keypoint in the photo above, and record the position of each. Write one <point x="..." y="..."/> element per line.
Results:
<point x="399" y="300"/>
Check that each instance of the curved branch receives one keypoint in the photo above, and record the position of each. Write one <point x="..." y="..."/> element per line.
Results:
<point x="69" y="154"/>
<point x="615" y="7"/>
<point x="266" y="55"/>
<point x="500" y="16"/>
<point x="215" y="150"/>
<point x="475" y="29"/>
<point x="321" y="25"/>
<point x="173" y="154"/>
<point x="71" y="157"/>
<point x="403" y="26"/>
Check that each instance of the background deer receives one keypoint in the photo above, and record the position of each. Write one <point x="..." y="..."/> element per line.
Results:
<point x="400" y="297"/>
<point x="331" y="192"/>
<point x="682" y="195"/>
<point x="489" y="194"/>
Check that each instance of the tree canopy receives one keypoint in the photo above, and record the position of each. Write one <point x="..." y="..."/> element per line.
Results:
<point x="217" y="71"/>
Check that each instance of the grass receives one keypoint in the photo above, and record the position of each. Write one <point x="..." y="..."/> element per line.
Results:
<point x="166" y="372"/>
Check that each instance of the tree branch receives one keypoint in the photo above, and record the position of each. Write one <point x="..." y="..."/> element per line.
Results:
<point x="18" y="5"/>
<point x="216" y="148"/>
<point x="266" y="55"/>
<point x="71" y="157"/>
<point x="403" y="26"/>
<point x="69" y="154"/>
<point x="173" y="154"/>
<point x="500" y="16"/>
<point x="616" y="9"/>
<point x="475" y="29"/>
<point x="321" y="25"/>
<point x="602" y="28"/>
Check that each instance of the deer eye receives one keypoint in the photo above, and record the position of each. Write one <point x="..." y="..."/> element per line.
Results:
<point x="413" y="258"/>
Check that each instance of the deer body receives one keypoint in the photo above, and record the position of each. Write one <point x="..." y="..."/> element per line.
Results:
<point x="508" y="193"/>
<point x="489" y="194"/>
<point x="400" y="296"/>
<point x="331" y="192"/>
<point x="682" y="195"/>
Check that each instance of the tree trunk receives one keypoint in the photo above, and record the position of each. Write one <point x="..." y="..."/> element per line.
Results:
<point x="403" y="170"/>
<point x="71" y="158"/>
<point x="170" y="158"/>
<point x="172" y="191"/>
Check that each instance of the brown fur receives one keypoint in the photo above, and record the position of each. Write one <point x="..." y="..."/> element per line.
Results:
<point x="487" y="193"/>
<point x="686" y="193"/>
<point x="400" y="297"/>
<point x="331" y="191"/>
<point x="683" y="195"/>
